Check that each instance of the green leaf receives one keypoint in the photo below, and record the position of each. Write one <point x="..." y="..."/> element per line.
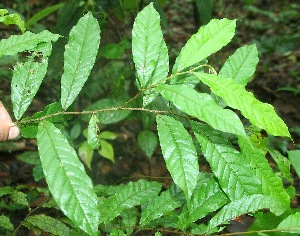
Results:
<point x="266" y="221"/>
<point x="48" y="224"/>
<point x="44" y="48"/>
<point x="29" y="130"/>
<point x="54" y="108"/>
<point x="179" y="153"/>
<point x="271" y="184"/>
<point x="167" y="221"/>
<point x="260" y="114"/>
<point x="207" y="198"/>
<point x="245" y="205"/>
<point x="112" y="116"/>
<point x="42" y="14"/>
<point x="283" y="164"/>
<point x="12" y="19"/>
<point x="93" y="131"/>
<point x="3" y="12"/>
<point x="25" y="42"/>
<point x="130" y="5"/>
<point x="129" y="219"/>
<point x="148" y="142"/>
<point x="202" y="229"/>
<point x="6" y="190"/>
<point x="114" y="50"/>
<point x="6" y="223"/>
<point x="294" y="157"/>
<point x="20" y="198"/>
<point x="107" y="135"/>
<point x="208" y="40"/>
<point x="79" y="57"/>
<point x="85" y="152"/>
<point x="202" y="106"/>
<point x="107" y="190"/>
<point x="26" y="81"/>
<point x="117" y="232"/>
<point x="68" y="183"/>
<point x="291" y="224"/>
<point x="204" y="8"/>
<point x="149" y="50"/>
<point x="37" y="172"/>
<point x="75" y="131"/>
<point x="106" y="150"/>
<point x="241" y="65"/>
<point x="233" y="172"/>
<point x="29" y="157"/>
<point x="167" y="201"/>
<point x="130" y="195"/>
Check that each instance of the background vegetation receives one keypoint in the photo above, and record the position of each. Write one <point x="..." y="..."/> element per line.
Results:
<point x="273" y="26"/>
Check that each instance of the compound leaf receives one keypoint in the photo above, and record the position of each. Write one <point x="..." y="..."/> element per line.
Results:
<point x="208" y="40"/>
<point x="164" y="203"/>
<point x="233" y="172"/>
<point x="67" y="180"/>
<point x="79" y="57"/>
<point x="260" y="114"/>
<point x="179" y="153"/>
<point x="241" y="65"/>
<point x="26" y="81"/>
<point x="130" y="195"/>
<point x="291" y="224"/>
<point x="202" y="106"/>
<point x="149" y="50"/>
<point x="207" y="197"/>
<point x="25" y="42"/>
<point x="245" y="205"/>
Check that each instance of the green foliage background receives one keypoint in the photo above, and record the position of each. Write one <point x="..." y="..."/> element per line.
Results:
<point x="191" y="122"/>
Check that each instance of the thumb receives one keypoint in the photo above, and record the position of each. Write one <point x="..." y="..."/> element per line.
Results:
<point x="8" y="130"/>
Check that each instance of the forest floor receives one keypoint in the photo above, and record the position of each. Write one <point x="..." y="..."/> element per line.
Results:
<point x="272" y="25"/>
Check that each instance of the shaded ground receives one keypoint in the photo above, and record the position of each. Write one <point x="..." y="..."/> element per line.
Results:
<point x="273" y="25"/>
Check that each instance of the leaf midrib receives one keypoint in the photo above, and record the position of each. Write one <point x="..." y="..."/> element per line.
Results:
<point x="78" y="62"/>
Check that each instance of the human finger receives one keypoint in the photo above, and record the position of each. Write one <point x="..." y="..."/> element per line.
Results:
<point x="8" y="130"/>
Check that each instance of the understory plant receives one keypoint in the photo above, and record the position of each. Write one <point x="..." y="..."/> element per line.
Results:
<point x="192" y="125"/>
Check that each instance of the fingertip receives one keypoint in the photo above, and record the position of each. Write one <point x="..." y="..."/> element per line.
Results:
<point x="14" y="132"/>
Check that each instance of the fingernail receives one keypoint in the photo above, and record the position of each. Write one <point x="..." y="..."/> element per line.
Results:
<point x="13" y="132"/>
